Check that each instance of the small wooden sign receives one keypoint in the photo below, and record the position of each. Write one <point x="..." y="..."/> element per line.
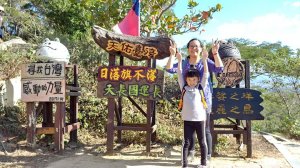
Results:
<point x="233" y="72"/>
<point x="238" y="103"/>
<point x="133" y="47"/>
<point x="133" y="81"/>
<point x="43" y="90"/>
<point x="43" y="70"/>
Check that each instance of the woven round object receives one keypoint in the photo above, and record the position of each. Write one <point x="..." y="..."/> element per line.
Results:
<point x="233" y="72"/>
<point x="228" y="49"/>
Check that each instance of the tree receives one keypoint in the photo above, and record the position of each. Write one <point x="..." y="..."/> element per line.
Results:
<point x="157" y="16"/>
<point x="279" y="68"/>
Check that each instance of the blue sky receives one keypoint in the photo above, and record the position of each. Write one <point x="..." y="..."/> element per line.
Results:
<point x="256" y="20"/>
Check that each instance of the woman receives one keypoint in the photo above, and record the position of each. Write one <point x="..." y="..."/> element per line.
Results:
<point x="195" y="48"/>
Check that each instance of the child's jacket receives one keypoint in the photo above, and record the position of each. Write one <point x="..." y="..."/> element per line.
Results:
<point x="193" y="108"/>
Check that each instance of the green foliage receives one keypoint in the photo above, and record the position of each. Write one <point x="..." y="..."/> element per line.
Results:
<point x="223" y="143"/>
<point x="93" y="113"/>
<point x="277" y="66"/>
<point x="10" y="123"/>
<point x="11" y="59"/>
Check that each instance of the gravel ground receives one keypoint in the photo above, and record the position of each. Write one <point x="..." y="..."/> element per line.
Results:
<point x="126" y="156"/>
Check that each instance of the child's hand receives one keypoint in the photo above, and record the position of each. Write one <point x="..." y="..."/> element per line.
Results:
<point x="179" y="56"/>
<point x="204" y="54"/>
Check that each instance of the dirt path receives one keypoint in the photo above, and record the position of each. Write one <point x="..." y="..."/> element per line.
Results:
<point x="134" y="156"/>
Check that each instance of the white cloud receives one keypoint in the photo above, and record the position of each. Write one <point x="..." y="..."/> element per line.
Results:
<point x="296" y="4"/>
<point x="272" y="27"/>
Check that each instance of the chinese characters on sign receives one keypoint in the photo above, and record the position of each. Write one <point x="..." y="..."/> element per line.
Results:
<point x="43" y="90"/>
<point x="43" y="82"/>
<point x="43" y="70"/>
<point x="239" y="103"/>
<point x="136" y="50"/>
<point x="118" y="81"/>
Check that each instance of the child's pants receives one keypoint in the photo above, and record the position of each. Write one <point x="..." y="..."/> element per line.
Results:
<point x="189" y="128"/>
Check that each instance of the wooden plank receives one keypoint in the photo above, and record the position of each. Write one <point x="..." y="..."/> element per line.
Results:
<point x="229" y="131"/>
<point x="133" y="128"/>
<point x="137" y="106"/>
<point x="43" y="70"/>
<point x="69" y="66"/>
<point x="73" y="94"/>
<point x="45" y="130"/>
<point x="43" y="90"/>
<point x="31" y="124"/>
<point x="228" y="126"/>
<point x="134" y="125"/>
<point x="71" y="127"/>
<point x="73" y="88"/>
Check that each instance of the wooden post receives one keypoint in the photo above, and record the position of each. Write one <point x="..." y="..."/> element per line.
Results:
<point x="214" y="137"/>
<point x="74" y="107"/>
<point x="149" y="127"/>
<point x="47" y="117"/>
<point x="59" y="126"/>
<point x="119" y="110"/>
<point x="110" y="126"/>
<point x="249" y="139"/>
<point x="248" y="122"/>
<point x="110" y="116"/>
<point x="31" y="125"/>
<point x="153" y="122"/>
<point x="47" y="114"/>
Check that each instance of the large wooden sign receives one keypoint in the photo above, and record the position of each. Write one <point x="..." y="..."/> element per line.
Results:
<point x="43" y="82"/>
<point x="233" y="72"/>
<point x="238" y="103"/>
<point x="132" y="47"/>
<point x="133" y="81"/>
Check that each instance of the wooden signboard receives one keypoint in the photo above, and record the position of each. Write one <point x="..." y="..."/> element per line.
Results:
<point x="133" y="47"/>
<point x="43" y="70"/>
<point x="238" y="103"/>
<point x="43" y="90"/>
<point x="133" y="81"/>
<point x="43" y="82"/>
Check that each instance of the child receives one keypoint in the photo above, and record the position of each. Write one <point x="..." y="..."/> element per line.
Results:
<point x="193" y="107"/>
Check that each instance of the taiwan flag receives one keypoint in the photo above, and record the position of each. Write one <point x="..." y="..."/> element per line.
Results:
<point x="130" y="25"/>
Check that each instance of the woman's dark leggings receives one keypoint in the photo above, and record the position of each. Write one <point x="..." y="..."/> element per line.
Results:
<point x="189" y="128"/>
<point x="208" y="137"/>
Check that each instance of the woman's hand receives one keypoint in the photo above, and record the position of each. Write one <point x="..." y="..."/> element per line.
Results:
<point x="215" y="47"/>
<point x="173" y="49"/>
